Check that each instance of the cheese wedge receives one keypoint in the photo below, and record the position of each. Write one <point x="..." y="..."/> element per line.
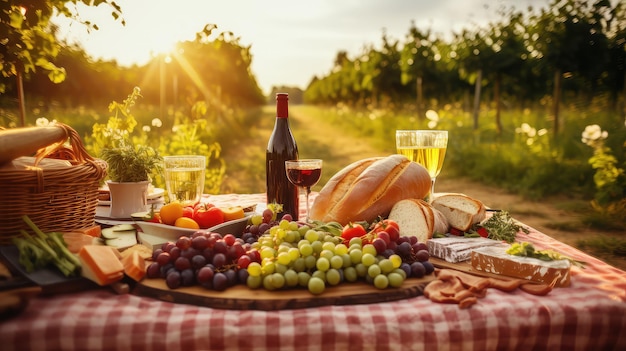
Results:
<point x="101" y="264"/>
<point x="134" y="265"/>
<point x="94" y="230"/>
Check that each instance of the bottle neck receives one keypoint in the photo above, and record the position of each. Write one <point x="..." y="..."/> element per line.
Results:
<point x="282" y="106"/>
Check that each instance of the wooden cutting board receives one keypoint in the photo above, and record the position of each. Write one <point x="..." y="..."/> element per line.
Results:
<point x="240" y="297"/>
<point x="466" y="267"/>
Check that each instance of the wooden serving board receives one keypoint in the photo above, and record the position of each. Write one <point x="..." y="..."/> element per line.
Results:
<point x="466" y="267"/>
<point x="240" y="297"/>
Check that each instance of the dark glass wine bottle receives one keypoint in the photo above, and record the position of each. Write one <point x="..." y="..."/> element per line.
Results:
<point x="281" y="147"/>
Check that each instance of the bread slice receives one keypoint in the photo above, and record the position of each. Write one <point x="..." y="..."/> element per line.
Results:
<point x="496" y="260"/>
<point x="461" y="210"/>
<point x="417" y="218"/>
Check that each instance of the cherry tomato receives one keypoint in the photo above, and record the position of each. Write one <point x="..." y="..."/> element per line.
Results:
<point x="384" y="225"/>
<point x="482" y="231"/>
<point x="152" y="217"/>
<point x="207" y="217"/>
<point x="456" y="232"/>
<point x="188" y="212"/>
<point x="352" y="230"/>
<point x="203" y="205"/>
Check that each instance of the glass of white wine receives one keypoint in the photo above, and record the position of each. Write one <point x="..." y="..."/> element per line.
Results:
<point x="426" y="147"/>
<point x="184" y="178"/>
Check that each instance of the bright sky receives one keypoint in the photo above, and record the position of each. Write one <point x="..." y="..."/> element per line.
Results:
<point x="291" y="41"/>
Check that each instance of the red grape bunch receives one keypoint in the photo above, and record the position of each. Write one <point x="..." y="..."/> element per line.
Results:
<point x="207" y="259"/>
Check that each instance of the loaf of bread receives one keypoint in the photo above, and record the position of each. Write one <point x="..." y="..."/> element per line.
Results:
<point x="369" y="188"/>
<point x="461" y="210"/>
<point x="415" y="217"/>
<point x="496" y="260"/>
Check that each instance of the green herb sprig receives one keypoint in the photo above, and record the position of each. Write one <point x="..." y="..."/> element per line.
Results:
<point x="502" y="227"/>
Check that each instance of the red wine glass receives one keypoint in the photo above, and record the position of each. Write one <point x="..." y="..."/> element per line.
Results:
<point x="304" y="173"/>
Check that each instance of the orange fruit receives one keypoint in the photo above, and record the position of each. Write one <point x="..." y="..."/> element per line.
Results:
<point x="186" y="222"/>
<point x="232" y="213"/>
<point x="171" y="212"/>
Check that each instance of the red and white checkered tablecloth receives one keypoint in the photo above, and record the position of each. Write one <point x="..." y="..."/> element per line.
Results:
<point x="589" y="315"/>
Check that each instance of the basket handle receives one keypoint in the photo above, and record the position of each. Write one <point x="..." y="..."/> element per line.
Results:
<point x="76" y="153"/>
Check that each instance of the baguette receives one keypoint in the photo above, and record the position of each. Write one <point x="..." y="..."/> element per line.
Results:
<point x="367" y="189"/>
<point x="26" y="141"/>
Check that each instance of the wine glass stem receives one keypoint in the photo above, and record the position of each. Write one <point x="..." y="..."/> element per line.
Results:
<point x="432" y="189"/>
<point x="308" y="191"/>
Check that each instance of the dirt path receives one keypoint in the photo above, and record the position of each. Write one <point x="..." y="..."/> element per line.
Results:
<point x="323" y="141"/>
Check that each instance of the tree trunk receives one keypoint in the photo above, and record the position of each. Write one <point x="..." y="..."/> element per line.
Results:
<point x="420" y="98"/>
<point x="20" y="97"/>
<point x="496" y="95"/>
<point x="556" y="99"/>
<point x="479" y="78"/>
<point x="162" y="83"/>
<point x="624" y="97"/>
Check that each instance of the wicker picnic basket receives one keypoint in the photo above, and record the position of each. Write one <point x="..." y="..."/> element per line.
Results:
<point x="55" y="199"/>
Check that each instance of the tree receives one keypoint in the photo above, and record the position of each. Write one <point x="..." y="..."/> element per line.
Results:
<point x="570" y="40"/>
<point x="504" y="55"/>
<point x="29" y="43"/>
<point x="419" y="55"/>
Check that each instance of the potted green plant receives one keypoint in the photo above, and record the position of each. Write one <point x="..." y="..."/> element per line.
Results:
<point x="130" y="164"/>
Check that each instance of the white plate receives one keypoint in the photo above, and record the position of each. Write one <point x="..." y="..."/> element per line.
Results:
<point x="153" y="197"/>
<point x="172" y="233"/>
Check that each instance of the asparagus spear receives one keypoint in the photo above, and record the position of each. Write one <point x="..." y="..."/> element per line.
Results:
<point x="39" y="250"/>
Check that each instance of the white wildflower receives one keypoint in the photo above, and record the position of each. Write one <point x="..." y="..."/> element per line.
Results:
<point x="432" y="115"/>
<point x="593" y="134"/>
<point x="146" y="129"/>
<point x="542" y="131"/>
<point x="156" y="122"/>
<point x="432" y="124"/>
<point x="532" y="132"/>
<point x="526" y="128"/>
<point x="42" y="122"/>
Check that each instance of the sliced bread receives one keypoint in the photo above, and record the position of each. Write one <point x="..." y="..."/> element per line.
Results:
<point x="461" y="210"/>
<point x="417" y="218"/>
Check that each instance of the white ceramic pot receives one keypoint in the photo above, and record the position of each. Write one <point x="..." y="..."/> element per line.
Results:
<point x="128" y="198"/>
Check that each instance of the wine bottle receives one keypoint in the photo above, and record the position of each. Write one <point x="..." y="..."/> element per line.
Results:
<point x="281" y="147"/>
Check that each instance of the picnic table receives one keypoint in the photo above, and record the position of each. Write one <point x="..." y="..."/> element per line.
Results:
<point x="588" y="315"/>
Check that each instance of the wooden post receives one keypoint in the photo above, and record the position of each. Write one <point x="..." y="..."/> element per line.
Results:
<point x="420" y="112"/>
<point x="556" y="98"/>
<point x="496" y="93"/>
<point x="479" y="78"/>
<point x="20" y="97"/>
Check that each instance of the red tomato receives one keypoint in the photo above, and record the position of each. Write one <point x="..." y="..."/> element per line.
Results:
<point x="456" y="232"/>
<point x="385" y="224"/>
<point x="152" y="217"/>
<point x="207" y="217"/>
<point x="352" y="230"/>
<point x="188" y="212"/>
<point x="482" y="231"/>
